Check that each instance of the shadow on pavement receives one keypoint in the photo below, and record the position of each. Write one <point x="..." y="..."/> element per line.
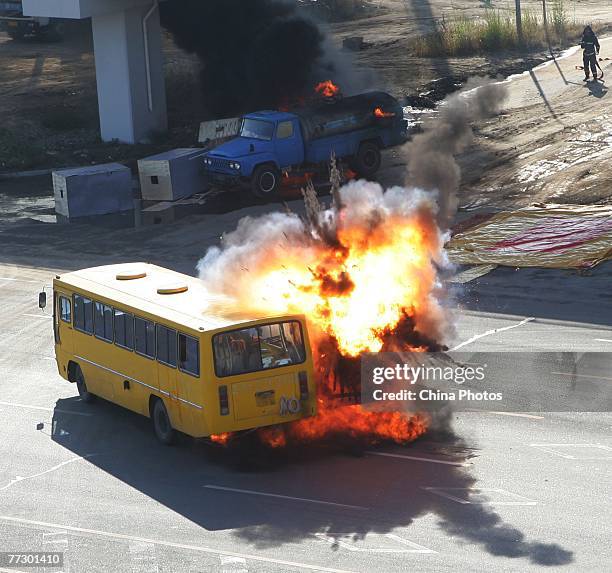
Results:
<point x="558" y="294"/>
<point x="388" y="493"/>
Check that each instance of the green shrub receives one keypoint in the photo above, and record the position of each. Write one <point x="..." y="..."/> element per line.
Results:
<point x="495" y="31"/>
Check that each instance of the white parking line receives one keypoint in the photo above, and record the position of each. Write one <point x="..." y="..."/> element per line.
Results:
<point x="573" y="374"/>
<point x="516" y="499"/>
<point x="550" y="448"/>
<point x="19" y="479"/>
<point x="198" y="548"/>
<point x="335" y="539"/>
<point x="29" y="406"/>
<point x="277" y="495"/>
<point x="490" y="332"/>
<point x="518" y="415"/>
<point x="37" y="315"/>
<point x="603" y="340"/>
<point x="419" y="459"/>
<point x="13" y="279"/>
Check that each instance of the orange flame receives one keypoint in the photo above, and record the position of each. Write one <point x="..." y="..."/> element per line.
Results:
<point x="327" y="89"/>
<point x="222" y="439"/>
<point x="363" y="275"/>
<point x="378" y="112"/>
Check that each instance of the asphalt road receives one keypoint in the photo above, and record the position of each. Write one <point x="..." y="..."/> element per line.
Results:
<point x="494" y="491"/>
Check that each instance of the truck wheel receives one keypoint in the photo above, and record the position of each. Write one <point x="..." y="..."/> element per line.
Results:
<point x="16" y="33"/>
<point x="85" y="395"/>
<point x="265" y="181"/>
<point x="54" y="32"/>
<point x="367" y="161"/>
<point x="161" y="423"/>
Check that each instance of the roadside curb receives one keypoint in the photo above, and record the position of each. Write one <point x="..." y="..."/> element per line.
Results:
<point x="20" y="174"/>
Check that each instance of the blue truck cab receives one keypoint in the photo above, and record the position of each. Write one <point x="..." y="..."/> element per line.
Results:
<point x="272" y="143"/>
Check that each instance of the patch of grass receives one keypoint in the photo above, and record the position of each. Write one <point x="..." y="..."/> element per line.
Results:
<point x="16" y="154"/>
<point x="65" y="119"/>
<point x="496" y="31"/>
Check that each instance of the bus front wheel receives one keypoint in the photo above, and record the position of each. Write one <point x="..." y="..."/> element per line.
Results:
<point x="161" y="423"/>
<point x="85" y="394"/>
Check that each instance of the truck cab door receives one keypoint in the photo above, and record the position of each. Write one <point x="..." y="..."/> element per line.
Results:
<point x="288" y="143"/>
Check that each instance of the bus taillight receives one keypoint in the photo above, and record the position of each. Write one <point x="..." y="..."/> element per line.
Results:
<point x="303" y="380"/>
<point x="223" y="401"/>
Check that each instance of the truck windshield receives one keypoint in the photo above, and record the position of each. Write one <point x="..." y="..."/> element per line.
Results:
<point x="256" y="129"/>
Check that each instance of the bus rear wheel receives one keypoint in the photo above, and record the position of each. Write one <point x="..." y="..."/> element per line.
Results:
<point x="161" y="423"/>
<point x="85" y="394"/>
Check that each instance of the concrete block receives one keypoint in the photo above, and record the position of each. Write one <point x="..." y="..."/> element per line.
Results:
<point x="172" y="175"/>
<point x="93" y="190"/>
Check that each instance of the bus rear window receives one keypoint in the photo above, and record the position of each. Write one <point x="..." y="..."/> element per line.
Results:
<point x="258" y="348"/>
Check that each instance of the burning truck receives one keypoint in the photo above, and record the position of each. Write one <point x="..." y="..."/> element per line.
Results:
<point x="275" y="146"/>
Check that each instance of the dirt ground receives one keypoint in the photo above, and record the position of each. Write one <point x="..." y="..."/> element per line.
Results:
<point x="49" y="107"/>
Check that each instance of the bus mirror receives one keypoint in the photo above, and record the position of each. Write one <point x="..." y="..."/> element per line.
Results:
<point x="42" y="299"/>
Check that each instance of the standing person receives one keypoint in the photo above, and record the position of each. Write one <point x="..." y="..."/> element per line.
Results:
<point x="590" y="46"/>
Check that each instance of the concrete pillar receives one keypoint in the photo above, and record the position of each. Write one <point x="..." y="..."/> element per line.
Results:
<point x="131" y="107"/>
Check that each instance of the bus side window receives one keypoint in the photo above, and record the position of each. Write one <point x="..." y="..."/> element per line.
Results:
<point x="124" y="329"/>
<point x="83" y="314"/>
<point x="189" y="354"/>
<point x="166" y="345"/>
<point x="65" y="309"/>
<point x="144" y="337"/>
<point x="103" y="321"/>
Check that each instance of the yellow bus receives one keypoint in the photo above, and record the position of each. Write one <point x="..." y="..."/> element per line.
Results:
<point x="154" y="341"/>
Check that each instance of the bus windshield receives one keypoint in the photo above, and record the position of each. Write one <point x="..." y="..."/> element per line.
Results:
<point x="256" y="129"/>
<point x="258" y="348"/>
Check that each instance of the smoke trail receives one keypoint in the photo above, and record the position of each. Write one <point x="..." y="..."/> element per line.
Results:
<point x="431" y="155"/>
<point x="255" y="54"/>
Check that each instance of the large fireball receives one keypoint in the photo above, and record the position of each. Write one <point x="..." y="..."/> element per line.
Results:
<point x="363" y="271"/>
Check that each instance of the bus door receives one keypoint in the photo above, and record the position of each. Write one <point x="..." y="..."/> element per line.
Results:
<point x="62" y="319"/>
<point x="189" y="386"/>
<point x="167" y="372"/>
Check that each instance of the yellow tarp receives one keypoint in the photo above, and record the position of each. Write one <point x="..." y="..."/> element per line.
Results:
<point x="554" y="236"/>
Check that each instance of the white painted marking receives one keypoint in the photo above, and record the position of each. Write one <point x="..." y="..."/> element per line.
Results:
<point x="419" y="459"/>
<point x="334" y="539"/>
<point x="37" y="315"/>
<point x="144" y="559"/>
<point x="573" y="374"/>
<point x="13" y="279"/>
<point x="550" y="448"/>
<point x="490" y="332"/>
<point x="44" y="409"/>
<point x="443" y="492"/>
<point x="201" y="549"/>
<point x="54" y="468"/>
<point x="603" y="340"/>
<point x="11" y="570"/>
<point x="518" y="415"/>
<point x="233" y="564"/>
<point x="277" y="495"/>
<point x="57" y="541"/>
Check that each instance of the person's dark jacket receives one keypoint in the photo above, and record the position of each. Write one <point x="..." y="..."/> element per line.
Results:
<point x="589" y="43"/>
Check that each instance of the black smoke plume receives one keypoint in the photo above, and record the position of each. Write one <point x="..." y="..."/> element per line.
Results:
<point x="431" y="155"/>
<point x="255" y="54"/>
